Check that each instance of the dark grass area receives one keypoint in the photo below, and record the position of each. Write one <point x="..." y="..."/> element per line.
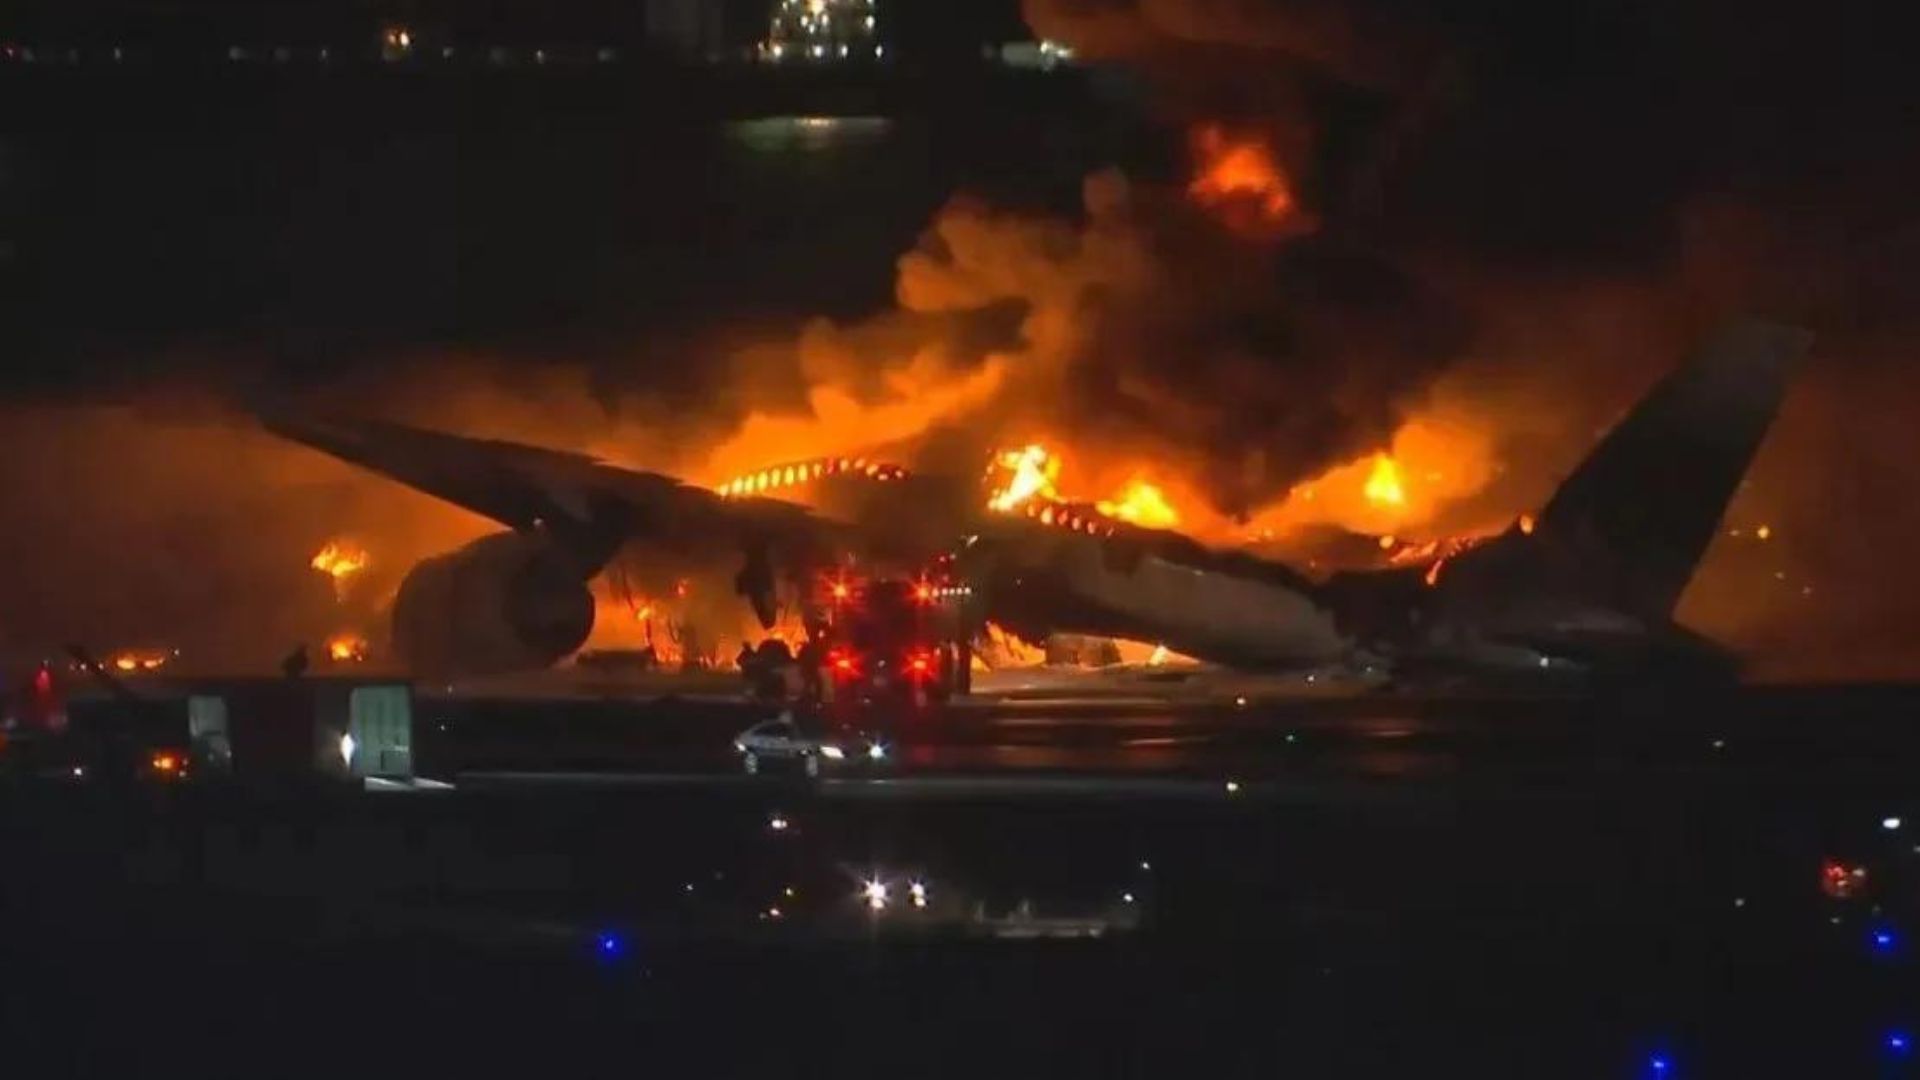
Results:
<point x="1509" y="919"/>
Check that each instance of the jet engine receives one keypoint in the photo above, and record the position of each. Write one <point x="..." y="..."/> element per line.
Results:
<point x="507" y="602"/>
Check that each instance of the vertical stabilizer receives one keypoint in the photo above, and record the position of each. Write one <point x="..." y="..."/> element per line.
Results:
<point x="1639" y="512"/>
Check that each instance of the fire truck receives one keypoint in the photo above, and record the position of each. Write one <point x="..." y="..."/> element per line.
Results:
<point x="889" y="642"/>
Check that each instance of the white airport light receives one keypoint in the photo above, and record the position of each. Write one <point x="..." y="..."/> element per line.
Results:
<point x="875" y="892"/>
<point x="778" y="822"/>
<point x="1891" y="824"/>
<point x="347" y="747"/>
<point x="832" y="752"/>
<point x="877" y="751"/>
<point x="1145" y="865"/>
<point x="918" y="891"/>
<point x="1126" y="898"/>
<point x="1233" y="787"/>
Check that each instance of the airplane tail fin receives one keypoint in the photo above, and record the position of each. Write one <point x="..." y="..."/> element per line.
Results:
<point x="1639" y="512"/>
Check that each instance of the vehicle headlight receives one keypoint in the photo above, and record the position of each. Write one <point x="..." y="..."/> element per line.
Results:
<point x="876" y="751"/>
<point x="833" y="752"/>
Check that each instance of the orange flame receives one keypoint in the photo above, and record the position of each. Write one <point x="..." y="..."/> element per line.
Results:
<point x="346" y="648"/>
<point x="1031" y="472"/>
<point x="1431" y="462"/>
<point x="1234" y="173"/>
<point x="1142" y="504"/>
<point x="339" y="560"/>
<point x="1383" y="483"/>
<point x="134" y="661"/>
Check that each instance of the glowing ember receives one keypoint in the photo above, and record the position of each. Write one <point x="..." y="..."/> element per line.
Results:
<point x="346" y="648"/>
<point x="1233" y="173"/>
<point x="1158" y="657"/>
<point x="1526" y="524"/>
<point x="339" y="560"/>
<point x="1433" y="572"/>
<point x="133" y="662"/>
<point x="1383" y="483"/>
<point x="1142" y="504"/>
<point x="1031" y="473"/>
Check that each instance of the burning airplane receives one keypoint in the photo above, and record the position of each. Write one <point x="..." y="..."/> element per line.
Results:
<point x="1587" y="586"/>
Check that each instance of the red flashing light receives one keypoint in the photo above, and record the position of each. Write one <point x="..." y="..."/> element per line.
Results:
<point x="923" y="592"/>
<point x="840" y="590"/>
<point x="43" y="681"/>
<point x="920" y="665"/>
<point x="1840" y="881"/>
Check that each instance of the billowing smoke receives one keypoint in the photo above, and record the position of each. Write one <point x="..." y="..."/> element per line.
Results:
<point x="1499" y="225"/>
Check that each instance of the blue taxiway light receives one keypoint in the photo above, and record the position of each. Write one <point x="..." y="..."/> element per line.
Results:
<point x="1884" y="940"/>
<point x="1899" y="1043"/>
<point x="1659" y="1065"/>
<point x="608" y="944"/>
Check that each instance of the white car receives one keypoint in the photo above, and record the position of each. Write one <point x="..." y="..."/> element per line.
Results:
<point x="780" y="740"/>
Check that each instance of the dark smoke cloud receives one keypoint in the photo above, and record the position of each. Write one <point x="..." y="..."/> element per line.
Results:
<point x="1150" y="328"/>
<point x="1523" y="213"/>
<point x="1590" y="189"/>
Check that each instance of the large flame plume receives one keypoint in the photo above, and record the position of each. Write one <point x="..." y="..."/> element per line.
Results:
<point x="339" y="560"/>
<point x="1030" y="473"/>
<point x="1142" y="503"/>
<point x="1028" y="479"/>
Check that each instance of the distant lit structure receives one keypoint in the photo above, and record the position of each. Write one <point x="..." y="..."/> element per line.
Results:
<point x="396" y="43"/>
<point x="820" y="32"/>
<point x="1036" y="55"/>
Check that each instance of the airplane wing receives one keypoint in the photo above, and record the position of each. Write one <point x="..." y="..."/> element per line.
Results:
<point x="593" y="506"/>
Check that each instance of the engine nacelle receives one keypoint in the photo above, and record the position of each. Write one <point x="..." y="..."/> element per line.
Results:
<point x="506" y="602"/>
